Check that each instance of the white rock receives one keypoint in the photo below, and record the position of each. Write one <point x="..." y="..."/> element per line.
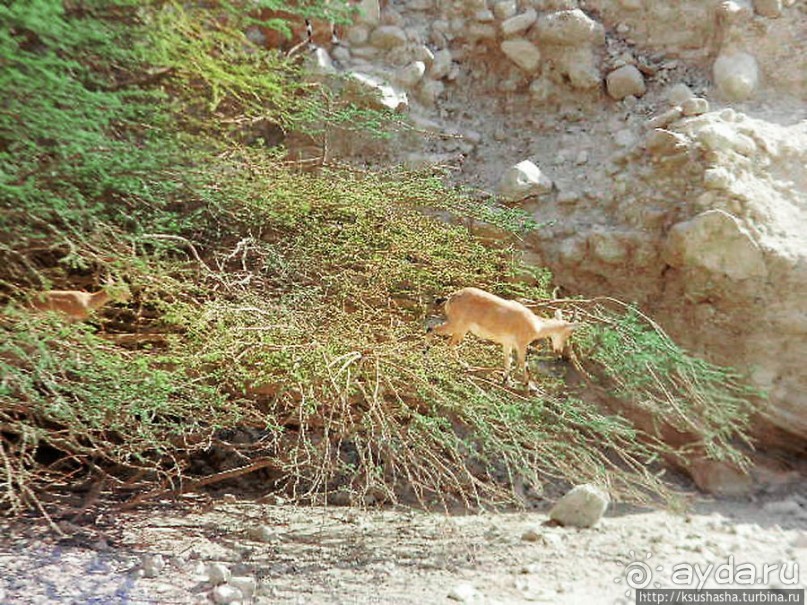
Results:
<point x="153" y="565"/>
<point x="481" y="31"/>
<point x="366" y="53"/>
<point x="523" y="180"/>
<point x="733" y="11"/>
<point x="625" y="81"/>
<point x="505" y="10"/>
<point x="721" y="137"/>
<point x="570" y="28"/>
<point x="625" y="138"/>
<point x="372" y="92"/>
<point x="695" y="106"/>
<point x="430" y="91"/>
<point x="579" y="64"/>
<point x="609" y="248"/>
<point x="582" y="506"/>
<point x="369" y="12"/>
<point x="410" y="75"/>
<point x="226" y="594"/>
<point x="484" y="16"/>
<point x="218" y="573"/>
<point x="540" y="90"/>
<point x="768" y="8"/>
<point x="717" y="242"/>
<point x="783" y="507"/>
<point x="423" y="53"/>
<point x="262" y="533"/>
<point x="357" y="35"/>
<point x="341" y="53"/>
<point x="388" y="36"/>
<point x="552" y="539"/>
<point x="320" y="62"/>
<point x="664" y="142"/>
<point x="523" y="53"/>
<point x="246" y="584"/>
<point x="665" y="119"/>
<point x="518" y="24"/>
<point x="736" y="76"/>
<point x="631" y="4"/>
<point x="441" y="64"/>
<point x="679" y="93"/>
<point x="581" y="158"/>
<point x="464" y="593"/>
<point x="717" y="177"/>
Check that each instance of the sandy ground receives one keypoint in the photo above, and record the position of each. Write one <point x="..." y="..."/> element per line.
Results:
<point x="345" y="556"/>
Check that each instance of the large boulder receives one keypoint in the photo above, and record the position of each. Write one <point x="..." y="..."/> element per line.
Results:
<point x="582" y="506"/>
<point x="717" y="242"/>
<point x="736" y="75"/>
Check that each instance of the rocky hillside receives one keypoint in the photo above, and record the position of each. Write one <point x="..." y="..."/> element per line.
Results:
<point x="665" y="148"/>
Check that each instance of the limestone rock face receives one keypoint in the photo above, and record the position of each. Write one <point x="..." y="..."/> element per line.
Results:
<point x="716" y="242"/>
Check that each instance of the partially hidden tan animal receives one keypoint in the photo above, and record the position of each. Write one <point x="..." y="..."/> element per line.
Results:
<point x="75" y="304"/>
<point x="507" y="322"/>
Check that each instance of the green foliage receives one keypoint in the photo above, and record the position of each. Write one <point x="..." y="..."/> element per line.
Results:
<point x="66" y="390"/>
<point x="287" y="304"/>
<point x="647" y="370"/>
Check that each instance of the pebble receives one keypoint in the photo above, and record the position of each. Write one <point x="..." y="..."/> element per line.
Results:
<point x="665" y="119"/>
<point x="464" y="593"/>
<point x="218" y="573"/>
<point x="783" y="507"/>
<point x="523" y="180"/>
<point x="523" y="53"/>
<point x="695" y="106"/>
<point x="387" y="37"/>
<point x="768" y="8"/>
<point x="413" y="73"/>
<point x="225" y="594"/>
<point x="505" y="10"/>
<point x="532" y="534"/>
<point x="246" y="584"/>
<point x="679" y="93"/>
<point x="518" y="24"/>
<point x="153" y="565"/>
<point x="441" y="64"/>
<point x="262" y="533"/>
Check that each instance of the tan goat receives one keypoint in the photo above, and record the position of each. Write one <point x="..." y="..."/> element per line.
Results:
<point x="77" y="305"/>
<point x="507" y="322"/>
